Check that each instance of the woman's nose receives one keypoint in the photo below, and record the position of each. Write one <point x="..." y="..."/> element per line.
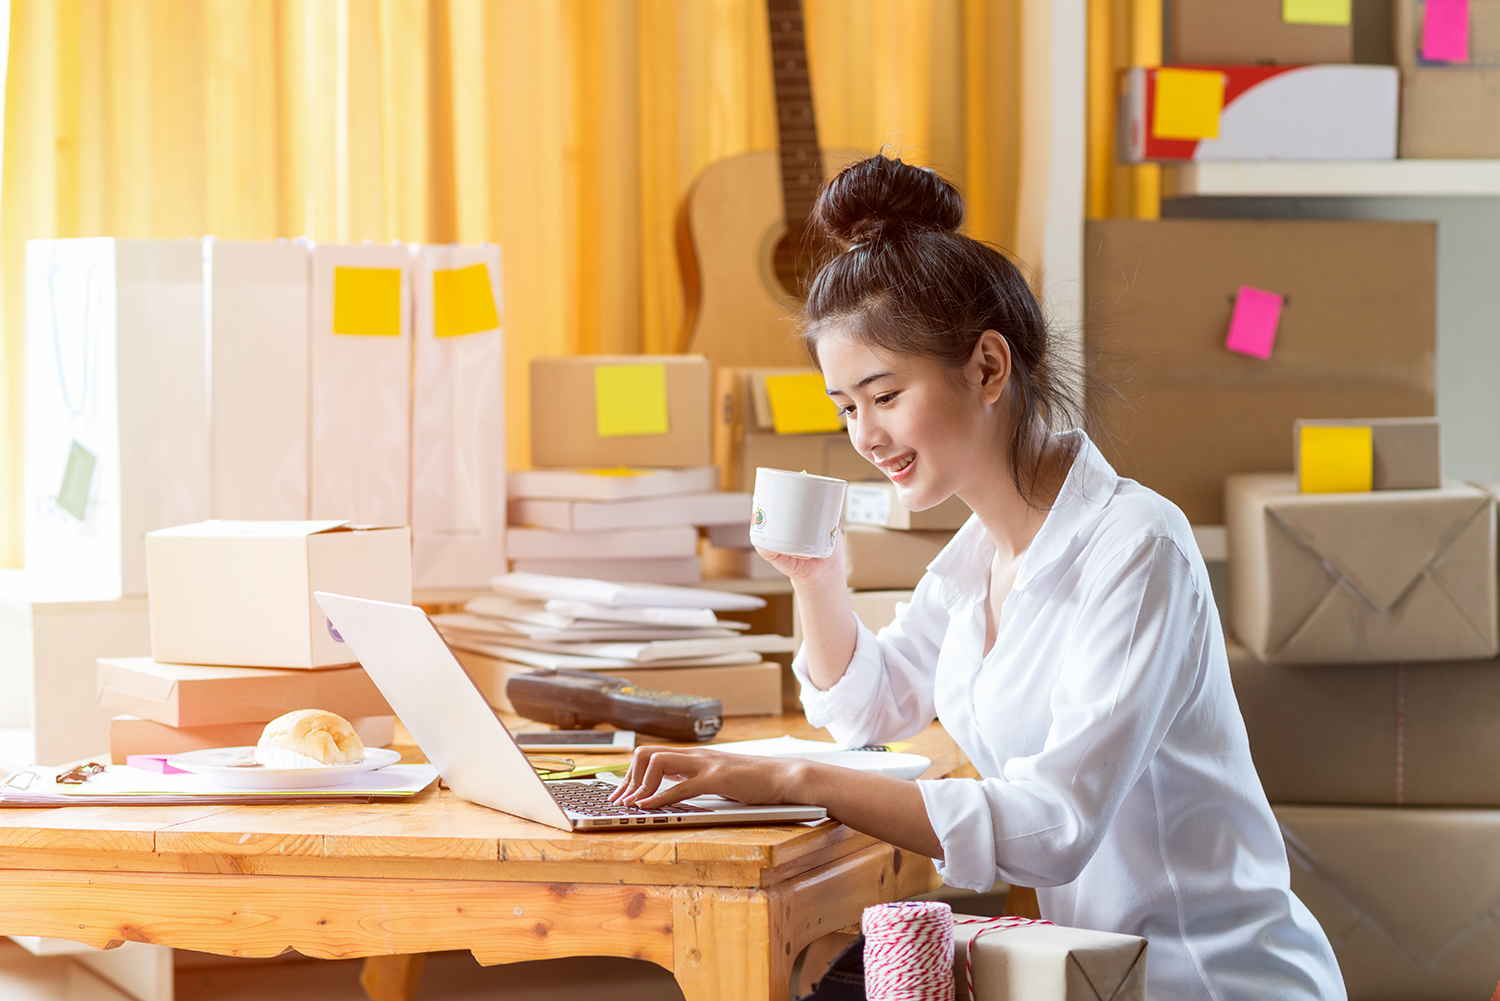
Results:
<point x="865" y="434"/>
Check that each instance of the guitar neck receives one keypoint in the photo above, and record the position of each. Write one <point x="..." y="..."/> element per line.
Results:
<point x="796" y="121"/>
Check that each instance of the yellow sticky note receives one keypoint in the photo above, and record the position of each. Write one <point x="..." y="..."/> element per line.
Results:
<point x="630" y="400"/>
<point x="1336" y="460"/>
<point x="462" y="302"/>
<point x="367" y="301"/>
<point x="616" y="471"/>
<point x="1187" y="104"/>
<point x="1330" y="12"/>
<point x="800" y="404"/>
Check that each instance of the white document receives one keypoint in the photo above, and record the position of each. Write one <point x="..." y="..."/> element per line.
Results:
<point x="361" y="384"/>
<point x="608" y="593"/>
<point x="504" y="630"/>
<point x="611" y="484"/>
<point x="718" y="508"/>
<point x="558" y="614"/>
<point x="458" y="417"/>
<point x="566" y="661"/>
<point x="117" y="437"/>
<point x="258" y="311"/>
<point x="664" y="650"/>
<point x="868" y="504"/>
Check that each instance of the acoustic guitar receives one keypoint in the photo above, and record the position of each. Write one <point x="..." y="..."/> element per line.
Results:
<point x="743" y="240"/>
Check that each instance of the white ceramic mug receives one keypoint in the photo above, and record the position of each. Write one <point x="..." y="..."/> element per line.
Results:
<point x="796" y="513"/>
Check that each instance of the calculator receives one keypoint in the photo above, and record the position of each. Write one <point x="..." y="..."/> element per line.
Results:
<point x="578" y="700"/>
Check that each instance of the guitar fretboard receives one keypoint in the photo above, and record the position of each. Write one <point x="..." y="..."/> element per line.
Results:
<point x="796" y="121"/>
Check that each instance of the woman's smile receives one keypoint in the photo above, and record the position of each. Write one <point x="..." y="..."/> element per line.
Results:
<point x="898" y="468"/>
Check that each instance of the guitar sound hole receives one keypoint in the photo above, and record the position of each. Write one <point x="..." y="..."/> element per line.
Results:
<point x="797" y="257"/>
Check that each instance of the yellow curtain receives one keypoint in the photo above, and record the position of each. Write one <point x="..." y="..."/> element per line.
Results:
<point x="566" y="130"/>
<point x="1121" y="33"/>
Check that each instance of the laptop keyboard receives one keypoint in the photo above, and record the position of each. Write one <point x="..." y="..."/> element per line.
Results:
<point x="592" y="800"/>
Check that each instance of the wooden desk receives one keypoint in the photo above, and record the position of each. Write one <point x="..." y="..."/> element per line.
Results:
<point x="727" y="910"/>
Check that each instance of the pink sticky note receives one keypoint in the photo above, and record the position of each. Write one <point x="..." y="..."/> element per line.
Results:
<point x="1252" y="327"/>
<point x="1445" y="31"/>
<point x="152" y="763"/>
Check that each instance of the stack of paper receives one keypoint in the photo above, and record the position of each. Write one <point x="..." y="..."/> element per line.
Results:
<point x="655" y="636"/>
<point x="620" y="524"/>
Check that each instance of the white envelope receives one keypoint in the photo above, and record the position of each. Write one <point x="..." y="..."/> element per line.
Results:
<point x="117" y="441"/>
<point x="258" y="301"/>
<point x="458" y="431"/>
<point x="361" y="397"/>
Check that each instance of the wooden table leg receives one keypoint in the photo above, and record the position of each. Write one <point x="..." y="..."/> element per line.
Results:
<point x="392" y="978"/>
<point x="739" y="945"/>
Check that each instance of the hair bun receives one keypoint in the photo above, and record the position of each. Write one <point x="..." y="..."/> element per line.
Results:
<point x="880" y="196"/>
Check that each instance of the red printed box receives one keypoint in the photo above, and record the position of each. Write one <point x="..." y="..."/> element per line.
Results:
<point x="1177" y="113"/>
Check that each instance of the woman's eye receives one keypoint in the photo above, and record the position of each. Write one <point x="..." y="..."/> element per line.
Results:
<point x="883" y="400"/>
<point x="847" y="411"/>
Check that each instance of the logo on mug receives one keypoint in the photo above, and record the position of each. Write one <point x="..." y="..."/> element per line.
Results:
<point x="760" y="518"/>
<point x="333" y="632"/>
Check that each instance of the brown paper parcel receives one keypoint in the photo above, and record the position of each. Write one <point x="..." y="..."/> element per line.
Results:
<point x="1373" y="734"/>
<point x="1410" y="899"/>
<point x="1392" y="575"/>
<point x="1048" y="963"/>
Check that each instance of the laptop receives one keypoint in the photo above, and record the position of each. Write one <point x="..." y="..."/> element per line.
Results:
<point x="467" y="743"/>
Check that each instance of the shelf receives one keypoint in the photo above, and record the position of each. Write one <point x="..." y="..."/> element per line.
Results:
<point x="1337" y="178"/>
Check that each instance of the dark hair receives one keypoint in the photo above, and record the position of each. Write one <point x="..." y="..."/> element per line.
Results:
<point x="908" y="282"/>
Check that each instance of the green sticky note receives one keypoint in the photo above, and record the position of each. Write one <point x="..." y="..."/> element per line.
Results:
<point x="462" y="302"/>
<point x="630" y="400"/>
<point x="1326" y="12"/>
<point x="367" y="302"/>
<point x="78" y="477"/>
<point x="1336" y="460"/>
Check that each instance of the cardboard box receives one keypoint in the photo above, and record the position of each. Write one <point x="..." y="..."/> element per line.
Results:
<point x="1450" y="109"/>
<point x="875" y="503"/>
<point x="744" y="438"/>
<point x="1356" y="339"/>
<point x="132" y="735"/>
<point x="117" y="437"/>
<point x="1253" y="31"/>
<point x="1407" y="897"/>
<point x="881" y="559"/>
<point x="1408" y="451"/>
<point x="877" y="609"/>
<point x="198" y="695"/>
<point x="49" y="650"/>
<point x="718" y="508"/>
<point x="1046" y="963"/>
<point x="259" y="301"/>
<point x="240" y="593"/>
<point x="458" y="418"/>
<point x="1271" y="113"/>
<point x="669" y="570"/>
<point x="568" y="435"/>
<point x="1392" y="575"/>
<point x="745" y="689"/>
<point x="361" y="375"/>
<point x="1372" y="734"/>
<point x="741" y="563"/>
<point x="625" y="543"/>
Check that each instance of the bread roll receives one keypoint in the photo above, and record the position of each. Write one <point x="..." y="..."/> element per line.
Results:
<point x="309" y="738"/>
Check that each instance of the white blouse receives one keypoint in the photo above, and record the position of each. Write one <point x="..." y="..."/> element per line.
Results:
<point x="1116" y="773"/>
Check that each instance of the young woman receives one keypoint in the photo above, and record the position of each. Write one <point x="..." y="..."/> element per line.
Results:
<point x="1066" y="638"/>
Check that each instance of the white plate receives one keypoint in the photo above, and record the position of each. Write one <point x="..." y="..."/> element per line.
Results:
<point x="235" y="768"/>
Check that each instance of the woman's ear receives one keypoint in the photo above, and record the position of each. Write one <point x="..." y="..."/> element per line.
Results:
<point x="989" y="366"/>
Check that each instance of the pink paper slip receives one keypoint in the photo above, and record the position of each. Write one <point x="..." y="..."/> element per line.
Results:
<point x="1445" y="31"/>
<point x="152" y="763"/>
<point x="1252" y="327"/>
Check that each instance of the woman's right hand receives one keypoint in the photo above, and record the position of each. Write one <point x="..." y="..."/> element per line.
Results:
<point x="810" y="571"/>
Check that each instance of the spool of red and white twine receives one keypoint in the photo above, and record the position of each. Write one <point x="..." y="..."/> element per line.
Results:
<point x="908" y="951"/>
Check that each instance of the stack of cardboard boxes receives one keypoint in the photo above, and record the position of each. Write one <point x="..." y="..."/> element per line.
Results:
<point x="1313" y="79"/>
<point x="622" y="482"/>
<point x="1363" y="598"/>
<point x="237" y="638"/>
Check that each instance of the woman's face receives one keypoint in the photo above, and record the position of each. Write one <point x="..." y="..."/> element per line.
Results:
<point x="931" y="431"/>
